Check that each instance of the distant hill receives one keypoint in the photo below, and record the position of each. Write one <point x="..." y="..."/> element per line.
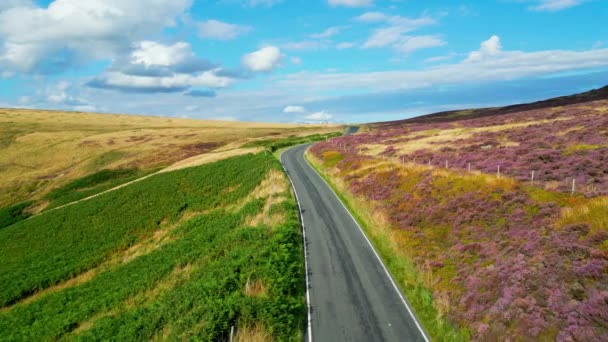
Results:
<point x="454" y="115"/>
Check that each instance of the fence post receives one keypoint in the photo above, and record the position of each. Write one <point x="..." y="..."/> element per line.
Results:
<point x="231" y="333"/>
<point x="446" y="164"/>
<point x="532" y="178"/>
<point x="573" y="185"/>
<point x="429" y="163"/>
<point x="469" y="166"/>
<point x="498" y="172"/>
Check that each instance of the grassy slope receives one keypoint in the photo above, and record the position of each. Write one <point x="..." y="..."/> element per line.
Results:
<point x="189" y="254"/>
<point x="43" y="150"/>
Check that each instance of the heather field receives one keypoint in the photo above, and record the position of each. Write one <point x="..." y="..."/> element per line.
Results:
<point x="558" y="144"/>
<point x="180" y="255"/>
<point x="481" y="255"/>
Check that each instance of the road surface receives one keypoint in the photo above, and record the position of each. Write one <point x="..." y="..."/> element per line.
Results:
<point x="351" y="295"/>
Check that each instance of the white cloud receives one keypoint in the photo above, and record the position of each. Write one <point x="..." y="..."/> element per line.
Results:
<point x="37" y="38"/>
<point x="350" y="3"/>
<point x="151" y="53"/>
<point x="264" y="59"/>
<point x="296" y="60"/>
<point x="489" y="63"/>
<point x="409" y="44"/>
<point x="555" y="5"/>
<point x="372" y="17"/>
<point x="6" y="4"/>
<point x="156" y="67"/>
<point x="394" y="33"/>
<point x="294" y="109"/>
<point x="218" y="30"/>
<point x="174" y="82"/>
<point x="329" y="32"/>
<point x="345" y="45"/>
<point x="488" y="48"/>
<point x="319" y="116"/>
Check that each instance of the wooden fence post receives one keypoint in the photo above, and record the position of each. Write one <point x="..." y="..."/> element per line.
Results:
<point x="532" y="178"/>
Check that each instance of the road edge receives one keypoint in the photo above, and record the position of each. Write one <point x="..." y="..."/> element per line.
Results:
<point x="306" y="269"/>
<point x="387" y="272"/>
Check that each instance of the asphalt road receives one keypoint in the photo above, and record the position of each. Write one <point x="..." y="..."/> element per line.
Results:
<point x="351" y="295"/>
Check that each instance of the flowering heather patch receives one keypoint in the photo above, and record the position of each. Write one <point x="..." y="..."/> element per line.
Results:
<point x="503" y="260"/>
<point x="558" y="144"/>
<point x="509" y="259"/>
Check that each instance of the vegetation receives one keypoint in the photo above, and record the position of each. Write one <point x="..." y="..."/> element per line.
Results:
<point x="273" y="145"/>
<point x="13" y="214"/>
<point x="92" y="184"/>
<point x="209" y="247"/>
<point x="480" y="255"/>
<point x="43" y="150"/>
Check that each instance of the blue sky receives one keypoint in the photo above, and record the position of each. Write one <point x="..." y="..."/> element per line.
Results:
<point x="297" y="60"/>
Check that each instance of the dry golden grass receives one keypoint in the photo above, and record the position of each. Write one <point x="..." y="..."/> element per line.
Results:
<point x="255" y="288"/>
<point x="273" y="188"/>
<point x="435" y="139"/>
<point x="592" y="213"/>
<point x="255" y="333"/>
<point x="41" y="150"/>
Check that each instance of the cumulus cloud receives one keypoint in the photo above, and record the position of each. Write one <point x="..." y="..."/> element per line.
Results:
<point x="555" y="5"/>
<point x="263" y="60"/>
<point x="294" y="109"/>
<point x="151" y="53"/>
<point x="489" y="63"/>
<point x="319" y="116"/>
<point x="53" y="38"/>
<point x="218" y="30"/>
<point x="156" y="67"/>
<point x="350" y="3"/>
<point x="488" y="48"/>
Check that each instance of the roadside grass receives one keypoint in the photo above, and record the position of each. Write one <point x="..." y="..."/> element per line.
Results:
<point x="410" y="280"/>
<point x="208" y="269"/>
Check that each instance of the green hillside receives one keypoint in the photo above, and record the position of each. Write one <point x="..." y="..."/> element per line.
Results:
<point x="180" y="255"/>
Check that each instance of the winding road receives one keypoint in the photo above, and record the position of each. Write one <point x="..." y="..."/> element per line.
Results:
<point x="350" y="292"/>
